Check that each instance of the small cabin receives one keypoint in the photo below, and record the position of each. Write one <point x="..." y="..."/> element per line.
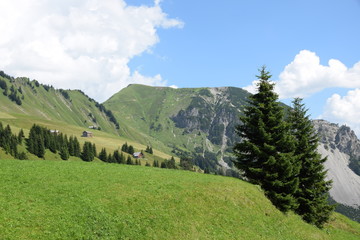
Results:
<point x="55" y="132"/>
<point x="87" y="134"/>
<point x="138" y="155"/>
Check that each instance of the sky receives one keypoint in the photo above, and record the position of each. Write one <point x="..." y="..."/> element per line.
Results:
<point x="310" y="47"/>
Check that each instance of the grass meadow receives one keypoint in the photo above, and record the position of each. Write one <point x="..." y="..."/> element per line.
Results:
<point x="79" y="200"/>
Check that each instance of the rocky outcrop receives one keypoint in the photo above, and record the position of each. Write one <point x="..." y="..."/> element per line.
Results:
<point x="338" y="143"/>
<point x="214" y="112"/>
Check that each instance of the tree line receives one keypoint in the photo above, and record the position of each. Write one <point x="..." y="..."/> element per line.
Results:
<point x="278" y="152"/>
<point x="9" y="142"/>
<point x="40" y="138"/>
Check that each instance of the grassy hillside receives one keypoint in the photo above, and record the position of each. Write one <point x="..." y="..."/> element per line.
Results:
<point x="42" y="101"/>
<point x="101" y="139"/>
<point x="189" y="119"/>
<point x="78" y="200"/>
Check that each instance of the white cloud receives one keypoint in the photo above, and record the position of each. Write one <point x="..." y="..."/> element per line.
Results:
<point x="306" y="76"/>
<point x="344" y="110"/>
<point x="85" y="44"/>
<point x="253" y="87"/>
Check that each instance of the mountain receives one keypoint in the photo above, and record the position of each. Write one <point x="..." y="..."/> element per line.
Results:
<point x="198" y="121"/>
<point x="339" y="144"/>
<point x="342" y="148"/>
<point x="30" y="98"/>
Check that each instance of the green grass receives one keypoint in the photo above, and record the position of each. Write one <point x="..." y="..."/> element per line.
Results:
<point x="102" y="139"/>
<point x="78" y="109"/>
<point x="78" y="200"/>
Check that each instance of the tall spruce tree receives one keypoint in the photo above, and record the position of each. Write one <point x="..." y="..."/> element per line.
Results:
<point x="266" y="153"/>
<point x="103" y="155"/>
<point x="87" y="153"/>
<point x="64" y="152"/>
<point x="76" y="145"/>
<point x="313" y="189"/>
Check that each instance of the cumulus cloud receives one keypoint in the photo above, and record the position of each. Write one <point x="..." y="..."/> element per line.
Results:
<point x="344" y="110"/>
<point x="83" y="44"/>
<point x="305" y="76"/>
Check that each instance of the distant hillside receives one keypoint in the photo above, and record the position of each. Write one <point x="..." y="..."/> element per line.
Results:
<point x="199" y="121"/>
<point x="342" y="149"/>
<point x="22" y="96"/>
<point x="78" y="200"/>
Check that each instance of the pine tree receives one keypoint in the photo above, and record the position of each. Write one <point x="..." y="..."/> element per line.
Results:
<point x="131" y="150"/>
<point x="163" y="164"/>
<point x="52" y="143"/>
<point x="76" y="146"/>
<point x="40" y="148"/>
<point x="129" y="161"/>
<point x="313" y="188"/>
<point x="21" y="136"/>
<point x="94" y="149"/>
<point x="110" y="158"/>
<point x="71" y="146"/>
<point x="64" y="152"/>
<point x="155" y="163"/>
<point x="31" y="141"/>
<point x="87" y="154"/>
<point x="266" y="153"/>
<point x="117" y="156"/>
<point x="171" y="163"/>
<point x="103" y="155"/>
<point x="124" y="147"/>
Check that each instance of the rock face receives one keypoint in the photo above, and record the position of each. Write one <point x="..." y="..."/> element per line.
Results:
<point x="338" y="144"/>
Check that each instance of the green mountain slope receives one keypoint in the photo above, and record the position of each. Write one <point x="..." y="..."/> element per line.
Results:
<point x="199" y="120"/>
<point x="78" y="200"/>
<point x="22" y="96"/>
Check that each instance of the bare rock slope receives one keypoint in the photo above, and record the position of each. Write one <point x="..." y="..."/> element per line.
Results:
<point x="338" y="144"/>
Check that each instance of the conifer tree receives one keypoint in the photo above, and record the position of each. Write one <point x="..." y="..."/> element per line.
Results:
<point x="110" y="158"/>
<point x="71" y="146"/>
<point x="87" y="153"/>
<point x="155" y="163"/>
<point x="76" y="145"/>
<point x="94" y="149"/>
<point x="129" y="161"/>
<point x="163" y="164"/>
<point x="64" y="152"/>
<point x="103" y="155"/>
<point x="40" y="148"/>
<point x="21" y="136"/>
<point x="171" y="163"/>
<point x="266" y="153"/>
<point x="131" y="150"/>
<point x="313" y="188"/>
<point x="124" y="147"/>
<point x="122" y="158"/>
<point x="116" y="156"/>
<point x="52" y="143"/>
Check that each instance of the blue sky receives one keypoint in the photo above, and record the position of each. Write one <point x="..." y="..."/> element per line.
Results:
<point x="100" y="46"/>
<point x="223" y="43"/>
